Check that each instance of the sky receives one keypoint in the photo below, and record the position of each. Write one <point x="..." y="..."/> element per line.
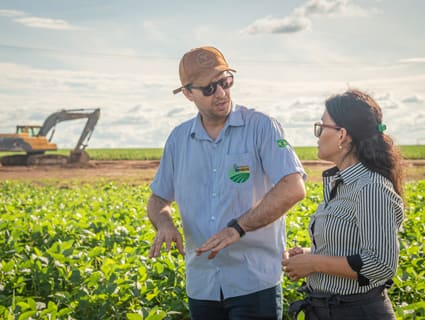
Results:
<point x="123" y="56"/>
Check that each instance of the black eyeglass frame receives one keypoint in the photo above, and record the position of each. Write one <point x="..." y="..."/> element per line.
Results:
<point x="318" y="128"/>
<point x="210" y="89"/>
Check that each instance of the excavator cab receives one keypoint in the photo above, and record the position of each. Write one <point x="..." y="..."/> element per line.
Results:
<point x="32" y="131"/>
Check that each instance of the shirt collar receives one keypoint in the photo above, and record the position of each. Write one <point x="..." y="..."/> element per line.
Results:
<point x="348" y="175"/>
<point x="351" y="174"/>
<point x="235" y="119"/>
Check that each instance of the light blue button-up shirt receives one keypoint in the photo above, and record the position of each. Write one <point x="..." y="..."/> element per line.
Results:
<point x="214" y="181"/>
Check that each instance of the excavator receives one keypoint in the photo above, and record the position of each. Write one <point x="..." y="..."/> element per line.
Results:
<point x="32" y="139"/>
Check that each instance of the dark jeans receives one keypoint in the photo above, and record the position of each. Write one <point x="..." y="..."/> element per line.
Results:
<point x="372" y="305"/>
<point x="265" y="304"/>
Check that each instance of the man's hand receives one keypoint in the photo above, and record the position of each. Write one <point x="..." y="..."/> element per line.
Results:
<point x="166" y="235"/>
<point x="219" y="241"/>
<point x="159" y="212"/>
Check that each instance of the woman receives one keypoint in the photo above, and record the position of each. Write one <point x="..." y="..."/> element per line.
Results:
<point x="354" y="250"/>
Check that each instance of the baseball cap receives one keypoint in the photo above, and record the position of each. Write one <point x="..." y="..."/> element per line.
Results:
<point x="200" y="66"/>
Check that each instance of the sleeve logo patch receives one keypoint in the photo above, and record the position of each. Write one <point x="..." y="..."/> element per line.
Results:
<point x="282" y="143"/>
<point x="239" y="174"/>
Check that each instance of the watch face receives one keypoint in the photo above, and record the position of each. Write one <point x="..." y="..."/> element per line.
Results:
<point x="232" y="222"/>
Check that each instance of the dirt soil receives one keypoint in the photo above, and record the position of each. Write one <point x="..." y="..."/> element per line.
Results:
<point x="121" y="170"/>
<point x="135" y="172"/>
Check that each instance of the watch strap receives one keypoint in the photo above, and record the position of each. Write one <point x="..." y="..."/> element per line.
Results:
<point x="234" y="224"/>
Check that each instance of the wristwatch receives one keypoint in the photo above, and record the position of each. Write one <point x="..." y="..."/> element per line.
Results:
<point x="234" y="224"/>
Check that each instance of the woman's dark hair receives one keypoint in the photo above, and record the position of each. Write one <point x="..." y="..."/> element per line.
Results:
<point x="361" y="116"/>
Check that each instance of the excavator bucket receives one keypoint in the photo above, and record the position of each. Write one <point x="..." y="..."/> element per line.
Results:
<point x="79" y="156"/>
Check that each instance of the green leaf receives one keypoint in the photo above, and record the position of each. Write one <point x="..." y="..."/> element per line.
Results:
<point x="27" y="315"/>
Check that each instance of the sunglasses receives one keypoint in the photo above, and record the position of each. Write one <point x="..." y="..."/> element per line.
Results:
<point x="210" y="89"/>
<point x="318" y="128"/>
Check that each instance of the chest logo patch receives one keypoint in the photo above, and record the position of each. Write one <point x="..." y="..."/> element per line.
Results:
<point x="239" y="174"/>
<point x="282" y="143"/>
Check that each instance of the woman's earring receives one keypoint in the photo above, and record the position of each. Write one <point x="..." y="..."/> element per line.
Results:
<point x="339" y="146"/>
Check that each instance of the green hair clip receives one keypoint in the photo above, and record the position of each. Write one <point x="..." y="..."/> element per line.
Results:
<point x="382" y="127"/>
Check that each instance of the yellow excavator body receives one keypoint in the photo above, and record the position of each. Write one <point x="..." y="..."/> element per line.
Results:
<point x="37" y="144"/>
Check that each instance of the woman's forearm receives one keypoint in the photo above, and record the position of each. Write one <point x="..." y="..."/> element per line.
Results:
<point x="337" y="266"/>
<point x="302" y="265"/>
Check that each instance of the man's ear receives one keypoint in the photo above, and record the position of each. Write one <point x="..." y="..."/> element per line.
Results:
<point x="188" y="94"/>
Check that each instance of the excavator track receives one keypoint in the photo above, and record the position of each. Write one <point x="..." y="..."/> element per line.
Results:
<point x="47" y="160"/>
<point x="75" y="157"/>
<point x="34" y="160"/>
<point x="14" y="160"/>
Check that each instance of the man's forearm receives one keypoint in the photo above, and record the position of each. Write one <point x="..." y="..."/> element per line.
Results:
<point x="286" y="193"/>
<point x="159" y="211"/>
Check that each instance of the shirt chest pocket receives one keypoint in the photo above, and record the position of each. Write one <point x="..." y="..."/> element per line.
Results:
<point x="239" y="170"/>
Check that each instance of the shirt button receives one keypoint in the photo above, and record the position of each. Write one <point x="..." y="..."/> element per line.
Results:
<point x="214" y="170"/>
<point x="213" y="218"/>
<point x="214" y="194"/>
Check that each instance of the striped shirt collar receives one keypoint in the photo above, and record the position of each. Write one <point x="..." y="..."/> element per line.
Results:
<point x="348" y="175"/>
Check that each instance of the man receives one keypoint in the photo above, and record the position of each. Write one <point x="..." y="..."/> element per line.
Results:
<point x="233" y="176"/>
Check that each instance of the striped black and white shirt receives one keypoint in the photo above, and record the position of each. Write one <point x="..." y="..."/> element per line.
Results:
<point x="360" y="221"/>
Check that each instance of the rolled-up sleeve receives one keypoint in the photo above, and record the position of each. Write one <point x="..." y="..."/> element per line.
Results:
<point x="379" y="215"/>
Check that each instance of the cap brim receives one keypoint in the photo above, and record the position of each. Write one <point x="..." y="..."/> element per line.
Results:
<point x="175" y="91"/>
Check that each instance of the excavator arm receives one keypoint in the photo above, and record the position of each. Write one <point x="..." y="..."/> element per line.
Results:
<point x="92" y="116"/>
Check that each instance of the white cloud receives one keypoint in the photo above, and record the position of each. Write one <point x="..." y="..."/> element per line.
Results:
<point x="134" y="108"/>
<point x="330" y="8"/>
<point x="46" y="23"/>
<point x="12" y="13"/>
<point x="272" y="25"/>
<point x="38" y="22"/>
<point x="301" y="18"/>
<point x="321" y="7"/>
<point x="413" y="99"/>
<point x="412" y="60"/>
<point x="138" y="109"/>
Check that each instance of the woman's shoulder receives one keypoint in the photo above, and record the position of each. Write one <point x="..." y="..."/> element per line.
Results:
<point x="372" y="182"/>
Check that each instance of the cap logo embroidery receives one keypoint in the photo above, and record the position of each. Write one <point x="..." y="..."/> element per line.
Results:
<point x="206" y="59"/>
<point x="282" y="143"/>
<point x="239" y="174"/>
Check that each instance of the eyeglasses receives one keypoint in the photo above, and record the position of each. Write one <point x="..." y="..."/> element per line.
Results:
<point x="318" y="128"/>
<point x="210" y="89"/>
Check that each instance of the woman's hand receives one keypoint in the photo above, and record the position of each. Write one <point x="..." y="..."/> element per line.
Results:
<point x="295" y="251"/>
<point x="297" y="263"/>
